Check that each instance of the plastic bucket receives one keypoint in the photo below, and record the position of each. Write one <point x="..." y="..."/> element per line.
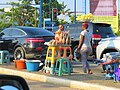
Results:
<point x="32" y="65"/>
<point x="20" y="64"/>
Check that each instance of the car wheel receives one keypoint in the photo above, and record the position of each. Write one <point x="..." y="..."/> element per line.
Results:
<point x="74" y="54"/>
<point x="19" y="53"/>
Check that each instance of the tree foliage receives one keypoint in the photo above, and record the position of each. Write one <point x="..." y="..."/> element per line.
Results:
<point x="24" y="14"/>
<point x="5" y="19"/>
<point x="47" y="8"/>
<point x="62" y="21"/>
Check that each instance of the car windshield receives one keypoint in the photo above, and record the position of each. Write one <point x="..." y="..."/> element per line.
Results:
<point x="104" y="30"/>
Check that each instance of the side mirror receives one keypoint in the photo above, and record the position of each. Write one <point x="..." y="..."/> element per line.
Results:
<point x="12" y="82"/>
<point x="1" y="34"/>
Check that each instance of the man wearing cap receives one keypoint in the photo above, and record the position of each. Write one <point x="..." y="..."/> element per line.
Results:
<point x="84" y="47"/>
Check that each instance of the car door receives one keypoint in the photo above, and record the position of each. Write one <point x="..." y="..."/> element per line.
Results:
<point x="18" y="36"/>
<point x="13" y="34"/>
<point x="5" y="43"/>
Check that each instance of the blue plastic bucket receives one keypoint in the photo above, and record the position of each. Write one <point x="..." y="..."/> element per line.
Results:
<point x="32" y="65"/>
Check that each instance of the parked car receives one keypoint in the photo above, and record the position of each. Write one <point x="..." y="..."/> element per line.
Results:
<point x="98" y="30"/>
<point x="27" y="42"/>
<point x="108" y="45"/>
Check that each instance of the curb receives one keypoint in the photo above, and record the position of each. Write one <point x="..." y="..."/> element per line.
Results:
<point x="55" y="80"/>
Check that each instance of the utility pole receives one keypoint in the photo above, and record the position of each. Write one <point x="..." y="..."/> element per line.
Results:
<point x="49" y="7"/>
<point x="75" y="11"/>
<point x="41" y="14"/>
<point x="85" y="7"/>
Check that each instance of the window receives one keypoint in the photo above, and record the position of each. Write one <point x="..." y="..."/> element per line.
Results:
<point x="7" y="32"/>
<point x="18" y="32"/>
<point x="104" y="30"/>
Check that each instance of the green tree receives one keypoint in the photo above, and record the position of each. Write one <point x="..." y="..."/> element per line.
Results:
<point x="23" y="14"/>
<point x="62" y="21"/>
<point x="72" y="18"/>
<point x="28" y="15"/>
<point x="47" y="7"/>
<point x="5" y="19"/>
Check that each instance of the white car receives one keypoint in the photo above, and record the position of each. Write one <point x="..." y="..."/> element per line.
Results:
<point x="108" y="45"/>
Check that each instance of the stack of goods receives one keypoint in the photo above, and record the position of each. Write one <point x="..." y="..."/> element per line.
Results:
<point x="61" y="38"/>
<point x="85" y="18"/>
<point x="110" y="64"/>
<point x="110" y="56"/>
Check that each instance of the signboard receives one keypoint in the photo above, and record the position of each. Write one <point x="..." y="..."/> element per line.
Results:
<point x="103" y="7"/>
<point x="48" y="24"/>
<point x="105" y="11"/>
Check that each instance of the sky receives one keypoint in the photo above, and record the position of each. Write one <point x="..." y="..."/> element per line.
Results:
<point x="69" y="3"/>
<point x="79" y="5"/>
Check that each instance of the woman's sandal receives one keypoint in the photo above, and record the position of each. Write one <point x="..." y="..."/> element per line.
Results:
<point x="90" y="72"/>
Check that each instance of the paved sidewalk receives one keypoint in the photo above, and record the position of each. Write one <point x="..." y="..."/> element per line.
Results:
<point x="77" y="79"/>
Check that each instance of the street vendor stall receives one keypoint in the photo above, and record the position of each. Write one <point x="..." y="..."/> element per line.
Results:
<point x="58" y="49"/>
